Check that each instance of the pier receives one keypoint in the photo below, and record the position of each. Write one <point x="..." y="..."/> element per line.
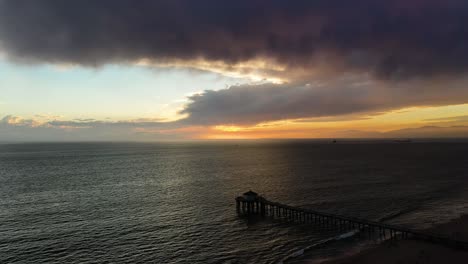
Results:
<point x="250" y="203"/>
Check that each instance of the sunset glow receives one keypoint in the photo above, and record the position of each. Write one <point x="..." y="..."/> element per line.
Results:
<point x="286" y="75"/>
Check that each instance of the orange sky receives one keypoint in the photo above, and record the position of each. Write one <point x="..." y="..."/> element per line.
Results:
<point x="413" y="117"/>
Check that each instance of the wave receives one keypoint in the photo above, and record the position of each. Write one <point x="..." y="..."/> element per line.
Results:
<point x="349" y="234"/>
<point x="397" y="214"/>
<point x="300" y="252"/>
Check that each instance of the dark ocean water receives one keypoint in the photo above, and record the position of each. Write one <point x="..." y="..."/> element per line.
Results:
<point x="174" y="202"/>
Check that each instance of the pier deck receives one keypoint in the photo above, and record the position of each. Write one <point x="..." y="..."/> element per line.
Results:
<point x="260" y="206"/>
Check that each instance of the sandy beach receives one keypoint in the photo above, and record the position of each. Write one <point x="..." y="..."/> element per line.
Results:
<point x="415" y="251"/>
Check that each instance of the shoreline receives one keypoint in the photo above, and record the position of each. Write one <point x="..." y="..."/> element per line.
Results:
<point x="412" y="250"/>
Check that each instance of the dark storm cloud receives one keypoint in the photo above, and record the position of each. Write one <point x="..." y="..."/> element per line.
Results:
<point x="392" y="38"/>
<point x="349" y="96"/>
<point x="252" y="104"/>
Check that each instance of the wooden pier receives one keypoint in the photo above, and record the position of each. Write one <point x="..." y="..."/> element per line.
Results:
<point x="252" y="204"/>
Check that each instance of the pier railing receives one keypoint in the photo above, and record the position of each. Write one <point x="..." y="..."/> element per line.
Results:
<point x="264" y="207"/>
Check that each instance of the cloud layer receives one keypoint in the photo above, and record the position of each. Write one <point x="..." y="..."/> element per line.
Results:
<point x="338" y="57"/>
<point x="252" y="104"/>
<point x="16" y="129"/>
<point x="389" y="38"/>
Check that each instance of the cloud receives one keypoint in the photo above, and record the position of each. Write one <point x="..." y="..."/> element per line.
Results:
<point x="351" y="95"/>
<point x="452" y="121"/>
<point x="333" y="118"/>
<point x="417" y="132"/>
<point x="463" y="118"/>
<point x="17" y="129"/>
<point x="14" y="128"/>
<point x="319" y="60"/>
<point x="92" y="123"/>
<point x="430" y="132"/>
<point x="389" y="38"/>
<point x="11" y="120"/>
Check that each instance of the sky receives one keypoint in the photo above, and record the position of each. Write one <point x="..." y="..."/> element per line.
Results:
<point x="123" y="70"/>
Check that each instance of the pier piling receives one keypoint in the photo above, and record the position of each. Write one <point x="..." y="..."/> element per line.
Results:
<point x="250" y="203"/>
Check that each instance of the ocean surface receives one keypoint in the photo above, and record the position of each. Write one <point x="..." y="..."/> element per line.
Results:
<point x="174" y="202"/>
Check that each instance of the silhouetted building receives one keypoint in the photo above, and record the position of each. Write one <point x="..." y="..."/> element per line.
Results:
<point x="250" y="196"/>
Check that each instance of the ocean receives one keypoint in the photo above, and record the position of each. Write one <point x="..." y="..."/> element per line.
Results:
<point x="174" y="202"/>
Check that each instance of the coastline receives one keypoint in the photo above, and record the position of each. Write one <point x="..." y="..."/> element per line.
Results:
<point x="409" y="250"/>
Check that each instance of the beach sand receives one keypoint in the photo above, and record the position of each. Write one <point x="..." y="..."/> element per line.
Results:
<point x="413" y="251"/>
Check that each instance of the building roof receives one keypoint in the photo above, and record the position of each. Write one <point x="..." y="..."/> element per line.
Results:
<point x="250" y="193"/>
